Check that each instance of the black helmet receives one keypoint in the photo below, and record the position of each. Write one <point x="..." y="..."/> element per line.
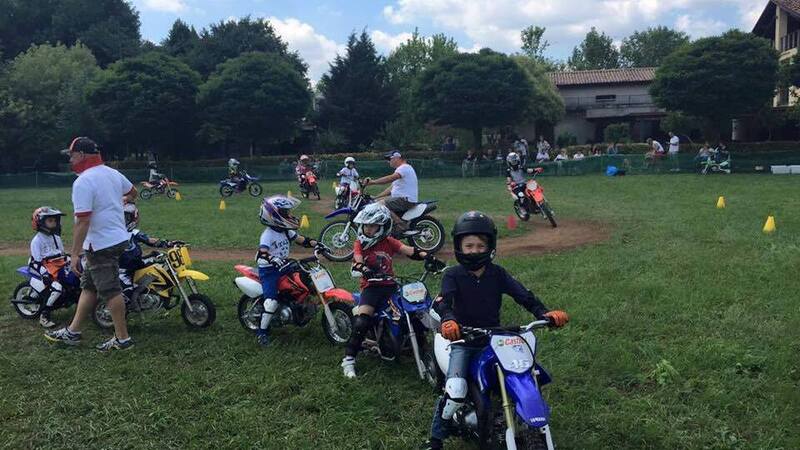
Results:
<point x="474" y="222"/>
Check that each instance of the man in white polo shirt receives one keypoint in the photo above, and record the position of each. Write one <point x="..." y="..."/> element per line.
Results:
<point x="100" y="232"/>
<point x="674" y="147"/>
<point x="403" y="194"/>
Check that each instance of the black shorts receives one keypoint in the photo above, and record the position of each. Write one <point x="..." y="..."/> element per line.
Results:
<point x="376" y="296"/>
<point x="398" y="205"/>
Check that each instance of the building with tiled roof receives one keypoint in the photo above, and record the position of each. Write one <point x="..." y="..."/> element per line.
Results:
<point x="780" y="23"/>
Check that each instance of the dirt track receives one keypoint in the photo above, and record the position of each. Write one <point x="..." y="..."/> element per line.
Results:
<point x="539" y="239"/>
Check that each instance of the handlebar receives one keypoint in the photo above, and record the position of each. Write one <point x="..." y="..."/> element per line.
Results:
<point x="475" y="333"/>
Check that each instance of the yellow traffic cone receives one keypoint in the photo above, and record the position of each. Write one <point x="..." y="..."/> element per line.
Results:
<point x="304" y="222"/>
<point x="769" y="226"/>
<point x="221" y="204"/>
<point x="178" y="196"/>
<point x="720" y="202"/>
<point x="333" y="186"/>
<point x="289" y="194"/>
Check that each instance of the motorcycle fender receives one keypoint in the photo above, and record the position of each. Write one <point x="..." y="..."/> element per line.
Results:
<point x="24" y="272"/>
<point x="249" y="287"/>
<point x="193" y="274"/>
<point x="543" y="376"/>
<point x="538" y="195"/>
<point x="483" y="371"/>
<point x="528" y="401"/>
<point x="339" y="212"/>
<point x="339" y="294"/>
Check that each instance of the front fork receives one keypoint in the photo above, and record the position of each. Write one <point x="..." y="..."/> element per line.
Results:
<point x="415" y="347"/>
<point x="327" y="310"/>
<point x="511" y="443"/>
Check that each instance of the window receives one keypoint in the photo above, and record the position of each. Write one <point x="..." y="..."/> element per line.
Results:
<point x="605" y="98"/>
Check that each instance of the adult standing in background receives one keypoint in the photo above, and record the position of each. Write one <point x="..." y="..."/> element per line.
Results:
<point x="674" y="148"/>
<point x="100" y="232"/>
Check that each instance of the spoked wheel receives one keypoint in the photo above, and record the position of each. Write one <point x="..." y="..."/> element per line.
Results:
<point x="254" y="189"/>
<point x="388" y="346"/>
<point x="202" y="314"/>
<point x="171" y="193"/>
<point x="339" y="237"/>
<point x="433" y="375"/>
<point x="26" y="306"/>
<point x="530" y="438"/>
<point x="226" y="190"/>
<point x="101" y="315"/>
<point x="548" y="214"/>
<point x="521" y="211"/>
<point x="146" y="194"/>
<point x="339" y="332"/>
<point x="431" y="234"/>
<point x="316" y="191"/>
<point x="249" y="311"/>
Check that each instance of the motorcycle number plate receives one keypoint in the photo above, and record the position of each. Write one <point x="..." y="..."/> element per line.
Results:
<point x="532" y="185"/>
<point x="415" y="292"/>
<point x="513" y="352"/>
<point x="322" y="280"/>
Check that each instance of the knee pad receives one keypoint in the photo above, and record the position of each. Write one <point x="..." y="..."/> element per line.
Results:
<point x="55" y="292"/>
<point x="37" y="284"/>
<point x="455" y="392"/>
<point x="361" y="324"/>
<point x="270" y="305"/>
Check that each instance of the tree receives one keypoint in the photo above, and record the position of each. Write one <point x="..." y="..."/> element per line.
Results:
<point x="229" y="39"/>
<point x="546" y="106"/>
<point x="255" y="97"/>
<point x="534" y="46"/>
<point x="182" y="39"/>
<point x="357" y="96"/>
<point x="147" y="103"/>
<point x="473" y="91"/>
<point x="649" y="48"/>
<point x="110" y="28"/>
<point x="597" y="51"/>
<point x="44" y="102"/>
<point x="718" y="78"/>
<point x="617" y="132"/>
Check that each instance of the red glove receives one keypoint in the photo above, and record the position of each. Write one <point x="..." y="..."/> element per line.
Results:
<point x="451" y="331"/>
<point x="558" y="318"/>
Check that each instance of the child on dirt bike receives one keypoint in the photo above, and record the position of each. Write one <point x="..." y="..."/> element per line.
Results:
<point x="155" y="177"/>
<point x="471" y="296"/>
<point x="235" y="174"/>
<point x="302" y="167"/>
<point x="348" y="174"/>
<point x="276" y="214"/>
<point x="372" y="258"/>
<point x="515" y="174"/>
<point x="133" y="259"/>
<point x="49" y="264"/>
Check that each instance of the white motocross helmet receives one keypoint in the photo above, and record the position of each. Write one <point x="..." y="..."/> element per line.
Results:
<point x="233" y="163"/>
<point x="276" y="212"/>
<point x="349" y="160"/>
<point x="513" y="159"/>
<point x="373" y="214"/>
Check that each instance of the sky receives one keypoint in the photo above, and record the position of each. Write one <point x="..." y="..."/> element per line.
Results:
<point x="318" y="29"/>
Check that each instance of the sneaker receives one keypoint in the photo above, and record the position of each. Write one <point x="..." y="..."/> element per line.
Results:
<point x="349" y="367"/>
<point x="114" y="344"/>
<point x="262" y="338"/>
<point x="44" y="320"/>
<point x="63" y="335"/>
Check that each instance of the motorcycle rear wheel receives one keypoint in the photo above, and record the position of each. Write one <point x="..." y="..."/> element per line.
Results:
<point x="254" y="189"/>
<point x="338" y="333"/>
<point x="202" y="314"/>
<point x="27" y="311"/>
<point x="146" y="194"/>
<point x="431" y="236"/>
<point x="249" y="311"/>
<point x="101" y="315"/>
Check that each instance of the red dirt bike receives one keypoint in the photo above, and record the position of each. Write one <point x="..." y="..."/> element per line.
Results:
<point x="305" y="286"/>
<point x="309" y="185"/>
<point x="529" y="199"/>
<point x="165" y="186"/>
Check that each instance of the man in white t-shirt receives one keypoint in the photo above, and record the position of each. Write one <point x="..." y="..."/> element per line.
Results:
<point x="403" y="194"/>
<point x="674" y="147"/>
<point x="100" y="232"/>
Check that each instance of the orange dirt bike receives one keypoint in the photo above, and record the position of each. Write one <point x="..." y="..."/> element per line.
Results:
<point x="529" y="199"/>
<point x="309" y="185"/>
<point x="165" y="186"/>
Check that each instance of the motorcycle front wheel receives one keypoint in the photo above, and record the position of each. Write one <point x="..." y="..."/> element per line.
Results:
<point x="521" y="211"/>
<point x="202" y="314"/>
<point x="431" y="234"/>
<point x="249" y="311"/>
<point x="171" y="193"/>
<point x="29" y="308"/>
<point x="146" y="194"/>
<point x="254" y="189"/>
<point x="339" y="243"/>
<point x="530" y="438"/>
<point x="339" y="332"/>
<point x="225" y="190"/>
<point x="316" y="191"/>
<point x="548" y="214"/>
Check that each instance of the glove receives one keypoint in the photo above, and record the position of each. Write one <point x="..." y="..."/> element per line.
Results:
<point x="175" y="243"/>
<point x="451" y="330"/>
<point x="321" y="248"/>
<point x="558" y="318"/>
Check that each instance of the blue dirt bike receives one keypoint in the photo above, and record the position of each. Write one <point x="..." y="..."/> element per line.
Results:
<point x="28" y="303"/>
<point x="228" y="187"/>
<point x="403" y="323"/>
<point x="504" y="406"/>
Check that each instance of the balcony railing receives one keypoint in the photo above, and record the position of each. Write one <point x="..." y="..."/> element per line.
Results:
<point x="790" y="41"/>
<point x="600" y="102"/>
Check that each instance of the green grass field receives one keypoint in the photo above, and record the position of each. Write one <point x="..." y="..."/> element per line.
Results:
<point x="685" y="332"/>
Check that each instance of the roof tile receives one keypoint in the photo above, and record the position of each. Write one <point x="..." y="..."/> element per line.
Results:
<point x="605" y="76"/>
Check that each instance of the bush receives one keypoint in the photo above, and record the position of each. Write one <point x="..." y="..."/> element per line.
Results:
<point x="566" y="139"/>
<point x="618" y="132"/>
<point x="733" y="147"/>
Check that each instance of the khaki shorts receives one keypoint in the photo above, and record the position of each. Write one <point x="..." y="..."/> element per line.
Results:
<point x="101" y="274"/>
<point x="398" y="205"/>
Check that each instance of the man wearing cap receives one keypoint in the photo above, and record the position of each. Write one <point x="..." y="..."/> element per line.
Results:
<point x="100" y="232"/>
<point x="402" y="195"/>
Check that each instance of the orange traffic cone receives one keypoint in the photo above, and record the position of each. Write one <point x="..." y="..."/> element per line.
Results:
<point x="511" y="222"/>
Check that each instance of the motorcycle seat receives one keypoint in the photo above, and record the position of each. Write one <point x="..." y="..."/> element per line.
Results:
<point x="418" y="210"/>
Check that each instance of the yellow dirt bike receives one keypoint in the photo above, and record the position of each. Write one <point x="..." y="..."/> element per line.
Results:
<point x="160" y="285"/>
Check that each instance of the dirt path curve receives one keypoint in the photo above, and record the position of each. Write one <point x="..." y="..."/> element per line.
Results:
<point x="539" y="239"/>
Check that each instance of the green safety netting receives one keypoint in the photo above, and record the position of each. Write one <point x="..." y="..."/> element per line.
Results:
<point x="435" y="168"/>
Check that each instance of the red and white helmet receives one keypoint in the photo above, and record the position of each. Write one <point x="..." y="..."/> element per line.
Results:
<point x="40" y="214"/>
<point x="131" y="216"/>
<point x="304" y="158"/>
<point x="276" y="212"/>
